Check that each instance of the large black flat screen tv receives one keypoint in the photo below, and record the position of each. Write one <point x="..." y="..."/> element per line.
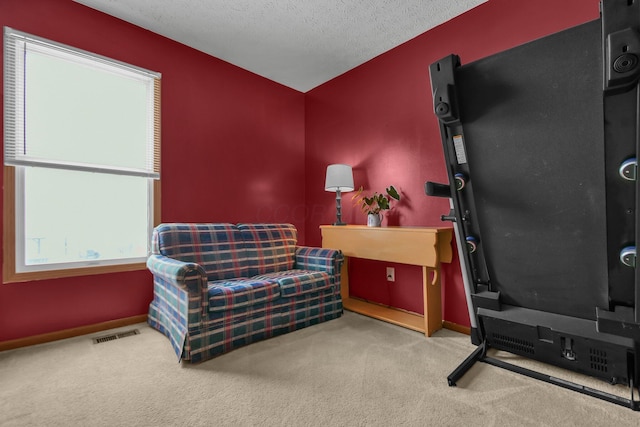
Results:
<point x="540" y="143"/>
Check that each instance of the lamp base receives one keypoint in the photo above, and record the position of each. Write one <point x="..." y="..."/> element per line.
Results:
<point x="339" y="208"/>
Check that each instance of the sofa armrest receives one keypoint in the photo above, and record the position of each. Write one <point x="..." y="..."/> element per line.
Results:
<point x="321" y="259"/>
<point x="180" y="300"/>
<point x="188" y="276"/>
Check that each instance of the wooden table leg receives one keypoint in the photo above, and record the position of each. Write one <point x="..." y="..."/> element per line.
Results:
<point x="344" y="279"/>
<point x="432" y="300"/>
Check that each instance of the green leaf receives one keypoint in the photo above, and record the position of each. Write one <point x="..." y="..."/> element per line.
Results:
<point x="391" y="191"/>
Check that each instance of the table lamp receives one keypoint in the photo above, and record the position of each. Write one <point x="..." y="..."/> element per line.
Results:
<point x="339" y="178"/>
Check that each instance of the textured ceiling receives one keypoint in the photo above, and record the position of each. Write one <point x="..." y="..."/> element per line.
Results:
<point x="298" y="43"/>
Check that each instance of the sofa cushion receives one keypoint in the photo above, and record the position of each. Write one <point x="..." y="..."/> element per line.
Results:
<point x="298" y="282"/>
<point x="269" y="247"/>
<point x="227" y="295"/>
<point x="218" y="248"/>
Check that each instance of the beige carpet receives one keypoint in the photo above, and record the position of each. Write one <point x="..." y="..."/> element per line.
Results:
<point x="353" y="371"/>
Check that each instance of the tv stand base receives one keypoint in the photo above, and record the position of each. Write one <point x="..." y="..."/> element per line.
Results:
<point x="480" y="355"/>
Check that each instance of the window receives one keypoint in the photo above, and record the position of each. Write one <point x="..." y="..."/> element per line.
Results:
<point x="82" y="156"/>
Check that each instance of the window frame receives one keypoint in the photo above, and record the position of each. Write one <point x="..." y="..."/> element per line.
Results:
<point x="11" y="197"/>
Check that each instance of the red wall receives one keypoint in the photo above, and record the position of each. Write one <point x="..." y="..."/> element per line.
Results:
<point x="225" y="135"/>
<point x="378" y="118"/>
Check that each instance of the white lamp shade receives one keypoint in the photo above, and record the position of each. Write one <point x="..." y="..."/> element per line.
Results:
<point x="339" y="177"/>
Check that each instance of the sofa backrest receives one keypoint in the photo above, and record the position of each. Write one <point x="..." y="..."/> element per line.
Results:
<point x="269" y="247"/>
<point x="218" y="248"/>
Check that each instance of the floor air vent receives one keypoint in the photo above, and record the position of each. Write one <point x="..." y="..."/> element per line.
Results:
<point x="115" y="336"/>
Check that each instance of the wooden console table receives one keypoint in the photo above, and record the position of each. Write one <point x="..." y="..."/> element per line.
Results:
<point x="423" y="246"/>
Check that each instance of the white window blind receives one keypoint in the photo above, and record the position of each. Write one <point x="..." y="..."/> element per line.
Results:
<point x="82" y="140"/>
<point x="116" y="135"/>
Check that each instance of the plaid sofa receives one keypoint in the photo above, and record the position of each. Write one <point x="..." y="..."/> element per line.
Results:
<point x="221" y="286"/>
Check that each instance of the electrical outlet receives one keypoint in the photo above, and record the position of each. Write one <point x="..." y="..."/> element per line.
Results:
<point x="391" y="274"/>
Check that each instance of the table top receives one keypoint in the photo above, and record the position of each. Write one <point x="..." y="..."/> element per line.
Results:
<point x="425" y="246"/>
